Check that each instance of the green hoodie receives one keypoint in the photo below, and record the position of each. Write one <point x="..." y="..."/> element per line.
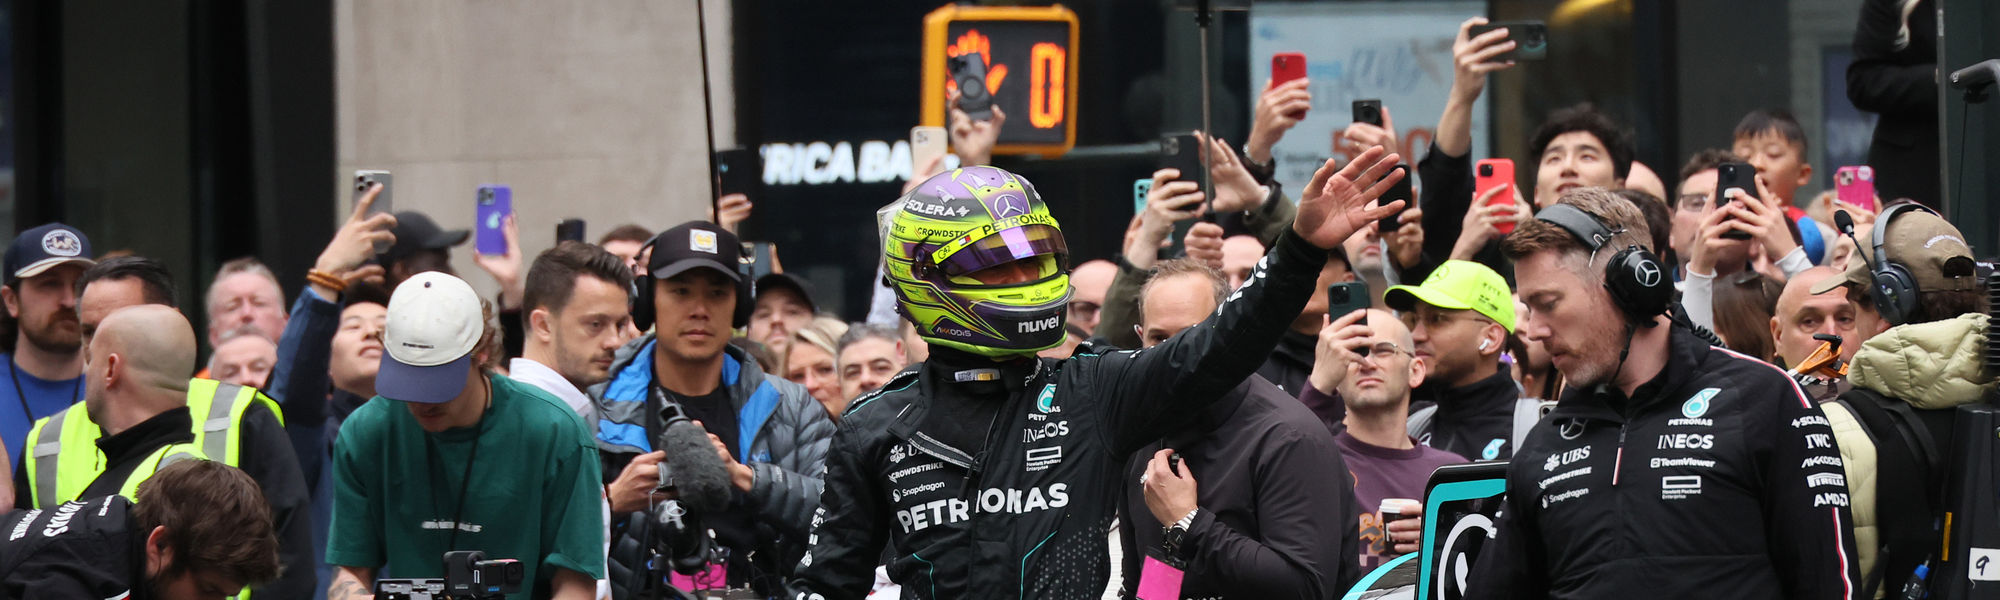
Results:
<point x="1929" y="365"/>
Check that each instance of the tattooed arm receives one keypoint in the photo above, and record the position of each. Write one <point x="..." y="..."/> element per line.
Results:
<point x="352" y="583"/>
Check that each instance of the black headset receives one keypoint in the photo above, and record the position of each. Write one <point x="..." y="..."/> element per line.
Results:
<point x="1638" y="284"/>
<point x="642" y="295"/>
<point x="1895" y="290"/>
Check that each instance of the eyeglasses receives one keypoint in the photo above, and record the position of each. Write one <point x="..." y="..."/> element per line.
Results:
<point x="1693" y="202"/>
<point x="1381" y="352"/>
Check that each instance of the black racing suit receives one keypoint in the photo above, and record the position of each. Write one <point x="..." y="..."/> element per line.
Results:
<point x="1005" y="489"/>
<point x="1717" y="479"/>
<point x="84" y="549"/>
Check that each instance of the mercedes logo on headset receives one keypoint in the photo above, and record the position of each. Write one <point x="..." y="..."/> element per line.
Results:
<point x="1646" y="273"/>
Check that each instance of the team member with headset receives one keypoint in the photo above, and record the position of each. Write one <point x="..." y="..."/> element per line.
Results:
<point x="769" y="435"/>
<point x="1670" y="468"/>
<point x="988" y="472"/>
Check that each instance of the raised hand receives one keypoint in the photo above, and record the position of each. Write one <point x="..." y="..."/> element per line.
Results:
<point x="1235" y="189"/>
<point x="1279" y="108"/>
<point x="1338" y="203"/>
<point x="346" y="254"/>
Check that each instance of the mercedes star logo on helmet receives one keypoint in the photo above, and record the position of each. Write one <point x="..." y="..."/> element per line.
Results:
<point x="1009" y="205"/>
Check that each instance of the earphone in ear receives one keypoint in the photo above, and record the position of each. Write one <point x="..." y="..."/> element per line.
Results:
<point x="1484" y="343"/>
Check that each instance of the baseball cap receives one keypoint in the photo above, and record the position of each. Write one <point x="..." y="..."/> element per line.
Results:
<point x="416" y="232"/>
<point x="694" y="245"/>
<point x="786" y="281"/>
<point x="37" y="250"/>
<point x="433" y="325"/>
<point x="1459" y="285"/>
<point x="1924" y="243"/>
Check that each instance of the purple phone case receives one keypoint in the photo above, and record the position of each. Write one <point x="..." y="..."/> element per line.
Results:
<point x="489" y="237"/>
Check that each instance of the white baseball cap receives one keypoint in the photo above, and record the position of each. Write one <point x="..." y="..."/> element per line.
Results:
<point x="433" y="325"/>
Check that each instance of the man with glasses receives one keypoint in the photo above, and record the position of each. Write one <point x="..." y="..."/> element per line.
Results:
<point x="1702" y="224"/>
<point x="1366" y="356"/>
<point x="1459" y="320"/>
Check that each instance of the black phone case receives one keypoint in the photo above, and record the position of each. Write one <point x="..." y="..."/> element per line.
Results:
<point x="569" y="230"/>
<point x="1531" y="39"/>
<point x="737" y="171"/>
<point x="1734" y="175"/>
<point x="1399" y="191"/>
<point x="1368" y="111"/>
<point x="969" y="71"/>
<point x="1182" y="151"/>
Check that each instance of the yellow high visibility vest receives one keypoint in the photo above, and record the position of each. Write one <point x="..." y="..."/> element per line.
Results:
<point x="59" y="469"/>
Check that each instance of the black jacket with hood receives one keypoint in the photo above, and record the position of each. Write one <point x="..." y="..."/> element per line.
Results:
<point x="1005" y="488"/>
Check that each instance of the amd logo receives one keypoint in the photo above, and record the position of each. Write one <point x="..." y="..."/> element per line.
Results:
<point x="1039" y="326"/>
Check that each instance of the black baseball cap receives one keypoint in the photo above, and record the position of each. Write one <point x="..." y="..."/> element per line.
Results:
<point x="694" y="245"/>
<point x="785" y="281"/>
<point x="42" y="248"/>
<point x="416" y="232"/>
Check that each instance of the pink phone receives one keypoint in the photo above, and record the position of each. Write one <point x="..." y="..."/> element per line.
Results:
<point x="1855" y="185"/>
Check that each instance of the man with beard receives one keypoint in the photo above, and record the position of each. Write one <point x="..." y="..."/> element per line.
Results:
<point x="578" y="306"/>
<point x="202" y="531"/>
<point x="1733" y="480"/>
<point x="45" y="360"/>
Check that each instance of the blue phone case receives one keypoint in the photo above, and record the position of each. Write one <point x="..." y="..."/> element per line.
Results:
<point x="1140" y="187"/>
<point x="495" y="204"/>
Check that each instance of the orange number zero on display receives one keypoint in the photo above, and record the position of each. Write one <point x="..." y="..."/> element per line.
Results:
<point x="1046" y="70"/>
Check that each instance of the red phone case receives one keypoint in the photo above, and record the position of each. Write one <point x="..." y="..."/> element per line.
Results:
<point x="1287" y="66"/>
<point x="1503" y="173"/>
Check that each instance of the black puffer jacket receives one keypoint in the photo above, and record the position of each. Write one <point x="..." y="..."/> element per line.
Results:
<point x="1717" y="479"/>
<point x="1005" y="489"/>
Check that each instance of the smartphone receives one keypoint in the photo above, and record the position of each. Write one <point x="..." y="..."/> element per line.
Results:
<point x="1182" y="152"/>
<point x="1368" y="111"/>
<point x="1174" y="463"/>
<point x="926" y="143"/>
<point x="1346" y="297"/>
<point x="1491" y="173"/>
<point x="756" y="259"/>
<point x="1140" y="187"/>
<point x="1398" y="191"/>
<point x="383" y="202"/>
<point x="1287" y="66"/>
<point x="1737" y="175"/>
<point x="494" y="204"/>
<point x="1855" y="185"/>
<point x="569" y="230"/>
<point x="1531" y="39"/>
<point x="969" y="72"/>
<point x="736" y="171"/>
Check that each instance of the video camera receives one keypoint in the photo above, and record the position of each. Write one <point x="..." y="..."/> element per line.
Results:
<point x="468" y="575"/>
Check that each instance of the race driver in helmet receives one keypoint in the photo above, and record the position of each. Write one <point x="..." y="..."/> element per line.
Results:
<point x="987" y="472"/>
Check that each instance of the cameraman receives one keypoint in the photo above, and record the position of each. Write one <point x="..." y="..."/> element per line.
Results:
<point x="694" y="295"/>
<point x="451" y="456"/>
<point x="201" y="529"/>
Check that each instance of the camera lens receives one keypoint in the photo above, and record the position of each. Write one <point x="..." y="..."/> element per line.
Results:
<point x="1485" y="170"/>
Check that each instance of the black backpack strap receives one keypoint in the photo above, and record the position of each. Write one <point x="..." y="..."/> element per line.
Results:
<point x="1906" y="498"/>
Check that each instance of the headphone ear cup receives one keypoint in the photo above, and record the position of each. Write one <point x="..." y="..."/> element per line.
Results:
<point x="642" y="302"/>
<point x="1895" y="293"/>
<point x="743" y="306"/>
<point x="1638" y="284"/>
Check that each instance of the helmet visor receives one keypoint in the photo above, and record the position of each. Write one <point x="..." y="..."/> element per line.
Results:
<point x="1008" y="256"/>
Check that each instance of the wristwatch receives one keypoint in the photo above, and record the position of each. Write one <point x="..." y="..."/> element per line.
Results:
<point x="1173" y="536"/>
<point x="1263" y="171"/>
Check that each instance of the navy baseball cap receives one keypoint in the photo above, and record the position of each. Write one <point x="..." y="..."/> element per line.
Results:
<point x="37" y="250"/>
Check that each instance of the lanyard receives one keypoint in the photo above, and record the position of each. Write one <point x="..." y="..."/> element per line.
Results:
<point x="13" y="372"/>
<point x="434" y="463"/>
